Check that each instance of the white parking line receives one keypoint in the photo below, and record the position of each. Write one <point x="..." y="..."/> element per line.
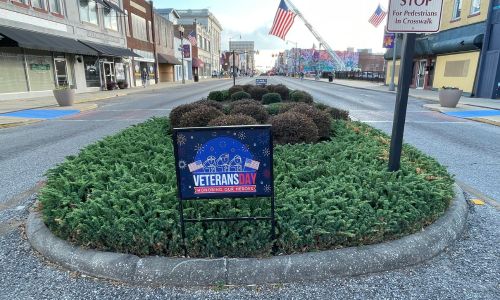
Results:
<point x="422" y="122"/>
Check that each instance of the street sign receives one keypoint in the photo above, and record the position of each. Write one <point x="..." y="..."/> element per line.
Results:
<point x="224" y="162"/>
<point x="414" y="16"/>
<point x="261" y="81"/>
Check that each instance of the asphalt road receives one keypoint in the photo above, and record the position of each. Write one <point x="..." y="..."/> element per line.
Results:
<point x="468" y="270"/>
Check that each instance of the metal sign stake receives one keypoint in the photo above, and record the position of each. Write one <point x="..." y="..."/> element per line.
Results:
<point x="405" y="77"/>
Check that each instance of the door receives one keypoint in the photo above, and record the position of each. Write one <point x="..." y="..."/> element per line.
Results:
<point x="108" y="73"/>
<point x="421" y="74"/>
<point x="61" y="72"/>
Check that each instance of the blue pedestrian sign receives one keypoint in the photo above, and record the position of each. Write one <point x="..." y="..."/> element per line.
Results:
<point x="261" y="81"/>
<point x="224" y="162"/>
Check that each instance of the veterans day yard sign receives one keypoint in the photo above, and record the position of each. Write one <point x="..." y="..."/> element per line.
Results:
<point x="224" y="162"/>
<point x="414" y="15"/>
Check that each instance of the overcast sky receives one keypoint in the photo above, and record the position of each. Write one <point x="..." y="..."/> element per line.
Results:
<point x="342" y="23"/>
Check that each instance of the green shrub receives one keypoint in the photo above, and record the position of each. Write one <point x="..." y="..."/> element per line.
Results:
<point x="247" y="87"/>
<point x="271" y="98"/>
<point x="210" y="103"/>
<point x="258" y="112"/>
<point x="337" y="113"/>
<point x="216" y="96"/>
<point x="242" y="102"/>
<point x="120" y="194"/>
<point x="228" y="120"/>
<point x="321" y="119"/>
<point x="301" y="96"/>
<point x="274" y="108"/>
<point x="283" y="91"/>
<point x="293" y="128"/>
<point x="200" y="116"/>
<point x="257" y="92"/>
<point x="226" y="95"/>
<point x="235" y="89"/>
<point x="177" y="112"/>
<point x="240" y="95"/>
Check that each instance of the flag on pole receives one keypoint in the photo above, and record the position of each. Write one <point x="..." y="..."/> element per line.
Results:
<point x="283" y="21"/>
<point x="192" y="38"/>
<point x="377" y="17"/>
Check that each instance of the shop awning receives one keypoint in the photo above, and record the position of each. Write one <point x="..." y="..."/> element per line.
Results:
<point x="114" y="6"/>
<point x="168" y="59"/>
<point x="198" y="63"/>
<point x="110" y="50"/>
<point x="15" y="37"/>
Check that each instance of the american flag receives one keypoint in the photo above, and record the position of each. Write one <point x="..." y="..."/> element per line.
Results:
<point x="192" y="38"/>
<point x="377" y="17"/>
<point x="283" y="21"/>
<point x="252" y="164"/>
<point x="195" y="166"/>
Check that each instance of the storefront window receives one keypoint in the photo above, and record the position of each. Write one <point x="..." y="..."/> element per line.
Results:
<point x="110" y="20"/>
<point x="40" y="72"/>
<point x="137" y="70"/>
<point x="475" y="7"/>
<point x="457" y="9"/>
<point x="12" y="74"/>
<point x="88" y="11"/>
<point x="55" y="6"/>
<point x="37" y="3"/>
<point x="91" y="65"/>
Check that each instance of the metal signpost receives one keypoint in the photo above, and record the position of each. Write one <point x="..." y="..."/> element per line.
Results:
<point x="409" y="17"/>
<point x="224" y="162"/>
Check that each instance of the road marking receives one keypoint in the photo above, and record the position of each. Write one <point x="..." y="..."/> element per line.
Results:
<point x="478" y="195"/>
<point x="477" y="201"/>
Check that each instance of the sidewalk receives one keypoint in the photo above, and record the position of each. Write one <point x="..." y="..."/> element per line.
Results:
<point x="26" y="111"/>
<point x="476" y="109"/>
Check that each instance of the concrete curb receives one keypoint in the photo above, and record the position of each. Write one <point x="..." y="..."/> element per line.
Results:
<point x="409" y="250"/>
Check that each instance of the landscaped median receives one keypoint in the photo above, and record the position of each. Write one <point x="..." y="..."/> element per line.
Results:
<point x="332" y="191"/>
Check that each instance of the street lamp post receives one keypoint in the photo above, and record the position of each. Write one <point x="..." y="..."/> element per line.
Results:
<point x="234" y="68"/>
<point x="181" y="33"/>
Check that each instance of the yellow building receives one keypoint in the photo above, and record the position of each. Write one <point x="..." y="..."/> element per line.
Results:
<point x="451" y="56"/>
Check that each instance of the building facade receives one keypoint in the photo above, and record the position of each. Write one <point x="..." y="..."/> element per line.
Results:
<point x="45" y="44"/>
<point x="165" y="48"/>
<point x="140" y="39"/>
<point x="208" y="34"/>
<point x="449" y="58"/>
<point x="246" y="49"/>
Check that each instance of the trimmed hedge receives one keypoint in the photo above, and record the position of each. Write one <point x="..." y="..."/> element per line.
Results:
<point x="210" y="103"/>
<point x="200" y="116"/>
<point x="238" y="119"/>
<point x="301" y="96"/>
<point x="293" y="128"/>
<point x="216" y="96"/>
<point x="270" y="98"/>
<point x="242" y="102"/>
<point x="321" y="119"/>
<point x="120" y="194"/>
<point x="240" y="95"/>
<point x="258" y="112"/>
<point x="257" y="92"/>
<point x="177" y="112"/>
<point x="235" y="89"/>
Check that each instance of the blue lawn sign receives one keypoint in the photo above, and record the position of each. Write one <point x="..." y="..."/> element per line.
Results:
<point x="224" y="162"/>
<point x="261" y="81"/>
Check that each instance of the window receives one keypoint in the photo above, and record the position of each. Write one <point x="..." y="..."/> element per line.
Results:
<point x="127" y="28"/>
<point x="110" y="20"/>
<point x="55" y="6"/>
<point x="91" y="65"/>
<point x="457" y="10"/>
<point x="88" y="11"/>
<point x="150" y="32"/>
<point x="475" y="7"/>
<point x="139" y="30"/>
<point x="38" y="4"/>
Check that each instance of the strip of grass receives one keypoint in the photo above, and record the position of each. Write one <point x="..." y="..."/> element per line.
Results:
<point x="119" y="194"/>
